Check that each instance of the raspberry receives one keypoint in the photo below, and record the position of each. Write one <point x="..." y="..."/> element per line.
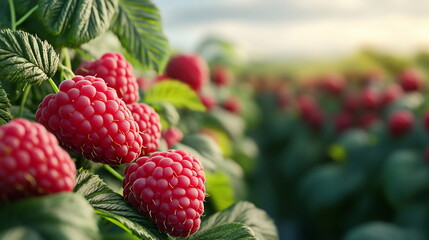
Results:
<point x="31" y="162"/>
<point x="343" y="121"/>
<point x="367" y="119"/>
<point x="172" y="136"/>
<point x="233" y="105"/>
<point x="190" y="69"/>
<point x="371" y="99"/>
<point x="167" y="187"/>
<point x="333" y="84"/>
<point x="208" y="101"/>
<point x="89" y="119"/>
<point x="116" y="72"/>
<point x="391" y="93"/>
<point x="149" y="125"/>
<point x="411" y="80"/>
<point x="400" y="122"/>
<point x="221" y="76"/>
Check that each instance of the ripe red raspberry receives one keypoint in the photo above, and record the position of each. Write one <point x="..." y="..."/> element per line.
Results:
<point x="221" y="76"/>
<point x="334" y="84"/>
<point x="31" y="162"/>
<point x="167" y="187"/>
<point x="190" y="69"/>
<point x="367" y="119"/>
<point x="89" y="119"/>
<point x="411" y="80"/>
<point x="371" y="99"/>
<point x="400" y="122"/>
<point x="343" y="121"/>
<point x="116" y="72"/>
<point x="208" y="101"/>
<point x="233" y="105"/>
<point x="172" y="136"/>
<point x="391" y="93"/>
<point x="149" y="125"/>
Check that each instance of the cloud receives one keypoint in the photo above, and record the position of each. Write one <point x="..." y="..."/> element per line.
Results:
<point x="300" y="28"/>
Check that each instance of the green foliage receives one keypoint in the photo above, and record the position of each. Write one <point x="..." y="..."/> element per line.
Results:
<point x="327" y="186"/>
<point x="59" y="216"/>
<point x="176" y="93"/>
<point x="112" y="207"/>
<point x="169" y="116"/>
<point x="220" y="190"/>
<point x="232" y="230"/>
<point x="243" y="212"/>
<point x="73" y="22"/>
<point x="4" y="14"/>
<point x="4" y="107"/>
<point x="404" y="177"/>
<point x="380" y="231"/>
<point x="26" y="58"/>
<point x="138" y="26"/>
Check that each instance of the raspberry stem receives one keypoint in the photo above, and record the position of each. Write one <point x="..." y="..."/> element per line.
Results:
<point x="65" y="54"/>
<point x="28" y="14"/>
<point x="113" y="172"/>
<point x="27" y="88"/>
<point x="12" y="15"/>
<point x="53" y="85"/>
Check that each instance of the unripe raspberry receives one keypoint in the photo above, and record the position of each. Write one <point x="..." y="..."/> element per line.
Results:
<point x="168" y="188"/>
<point x="31" y="162"/>
<point x="400" y="122"/>
<point x="149" y="125"/>
<point x="172" y="136"/>
<point x="89" y="119"/>
<point x="190" y="69"/>
<point x="117" y="72"/>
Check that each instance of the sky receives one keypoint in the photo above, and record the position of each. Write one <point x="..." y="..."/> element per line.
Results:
<point x="298" y="28"/>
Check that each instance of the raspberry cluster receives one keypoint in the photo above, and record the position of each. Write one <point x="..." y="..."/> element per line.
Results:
<point x="89" y="119"/>
<point x="167" y="187"/>
<point x="31" y="162"/>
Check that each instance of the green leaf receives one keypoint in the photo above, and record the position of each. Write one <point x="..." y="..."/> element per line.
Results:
<point x="73" y="22"/>
<point x="169" y="116"/>
<point x="112" y="207"/>
<point x="243" y="212"/>
<point x="26" y="58"/>
<point x="227" y="231"/>
<point x="4" y="107"/>
<point x="220" y="190"/>
<point x="176" y="93"/>
<point x="327" y="186"/>
<point x="58" y="216"/>
<point x="4" y="15"/>
<point x="404" y="177"/>
<point x="380" y="231"/>
<point x="138" y="26"/>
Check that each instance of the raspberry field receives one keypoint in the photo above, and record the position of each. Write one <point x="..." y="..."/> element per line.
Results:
<point x="108" y="132"/>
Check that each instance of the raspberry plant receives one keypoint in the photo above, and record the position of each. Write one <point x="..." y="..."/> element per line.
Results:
<point x="98" y="121"/>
